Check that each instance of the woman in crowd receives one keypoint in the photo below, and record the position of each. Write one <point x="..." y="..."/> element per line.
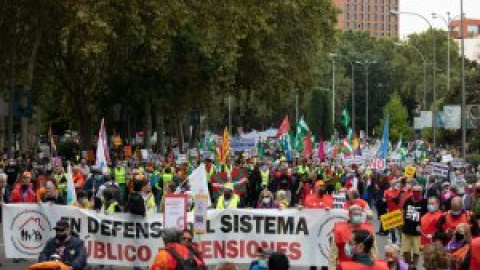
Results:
<point x="266" y="201"/>
<point x="458" y="247"/>
<point x="282" y="199"/>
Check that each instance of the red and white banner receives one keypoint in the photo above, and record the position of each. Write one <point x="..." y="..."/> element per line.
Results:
<point x="127" y="240"/>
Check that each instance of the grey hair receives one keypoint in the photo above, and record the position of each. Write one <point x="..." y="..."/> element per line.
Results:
<point x="3" y="176"/>
<point x="172" y="235"/>
<point x="394" y="247"/>
<point x="354" y="207"/>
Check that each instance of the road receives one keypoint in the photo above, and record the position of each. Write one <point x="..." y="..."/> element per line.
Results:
<point x="8" y="263"/>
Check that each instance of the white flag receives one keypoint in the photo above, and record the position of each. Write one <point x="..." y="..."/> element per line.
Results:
<point x="71" y="194"/>
<point x="102" y="150"/>
<point x="198" y="182"/>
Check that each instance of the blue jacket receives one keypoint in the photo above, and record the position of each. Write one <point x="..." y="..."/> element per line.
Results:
<point x="74" y="255"/>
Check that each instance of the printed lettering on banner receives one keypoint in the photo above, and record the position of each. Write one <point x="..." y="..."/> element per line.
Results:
<point x="428" y="170"/>
<point x="439" y="169"/>
<point x="378" y="164"/>
<point x="128" y="240"/>
<point x="392" y="220"/>
<point x="339" y="200"/>
<point x="175" y="212"/>
<point x="238" y="144"/>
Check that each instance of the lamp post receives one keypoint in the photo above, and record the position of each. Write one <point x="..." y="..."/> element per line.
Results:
<point x="365" y="66"/>
<point x="462" y="45"/>
<point x="447" y="21"/>
<point x="424" y="106"/>
<point x="333" y="88"/>
<point x="434" y="124"/>
<point x="353" y="85"/>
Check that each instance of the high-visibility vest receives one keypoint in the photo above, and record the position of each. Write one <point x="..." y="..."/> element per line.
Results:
<point x="452" y="223"/>
<point x="120" y="175"/>
<point x="150" y="204"/>
<point x="228" y="169"/>
<point x="378" y="265"/>
<point x="110" y="210"/>
<point x="265" y="177"/>
<point x="233" y="203"/>
<point x="342" y="232"/>
<point x="210" y="173"/>
<point x="167" y="178"/>
<point x="303" y="170"/>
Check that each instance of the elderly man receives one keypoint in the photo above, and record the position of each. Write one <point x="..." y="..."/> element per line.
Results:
<point x="414" y="208"/>
<point x="342" y="232"/>
<point x="452" y="218"/>
<point x="229" y="199"/>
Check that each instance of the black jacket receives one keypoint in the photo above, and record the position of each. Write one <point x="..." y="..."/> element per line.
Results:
<point x="74" y="255"/>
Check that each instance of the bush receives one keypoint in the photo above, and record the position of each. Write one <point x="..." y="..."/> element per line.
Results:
<point x="473" y="159"/>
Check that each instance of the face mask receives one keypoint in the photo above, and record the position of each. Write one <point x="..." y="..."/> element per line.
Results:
<point x="408" y="186"/>
<point x="398" y="186"/>
<point x="321" y="192"/>
<point x="357" y="219"/>
<point x="459" y="237"/>
<point x="348" y="250"/>
<point x="61" y="237"/>
<point x="456" y="213"/>
<point x="266" y="200"/>
<point x="262" y="263"/>
<point x="432" y="208"/>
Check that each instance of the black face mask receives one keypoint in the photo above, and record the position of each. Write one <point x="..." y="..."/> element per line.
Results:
<point x="321" y="192"/>
<point x="459" y="237"/>
<point x="61" y="237"/>
<point x="227" y="196"/>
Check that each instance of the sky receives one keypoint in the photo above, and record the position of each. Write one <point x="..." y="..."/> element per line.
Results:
<point x="411" y="24"/>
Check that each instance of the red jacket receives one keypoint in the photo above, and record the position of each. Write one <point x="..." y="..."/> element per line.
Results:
<point x="342" y="232"/>
<point x="22" y="196"/>
<point x="428" y="226"/>
<point x="393" y="199"/>
<point x="165" y="261"/>
<point x="475" y="256"/>
<point x="378" y="265"/>
<point x="315" y="201"/>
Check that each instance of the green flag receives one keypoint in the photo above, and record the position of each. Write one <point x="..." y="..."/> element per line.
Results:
<point x="260" y="150"/>
<point x="302" y="130"/>
<point x="345" y="119"/>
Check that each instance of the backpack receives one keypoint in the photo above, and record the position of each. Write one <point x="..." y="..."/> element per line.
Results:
<point x="184" y="264"/>
<point x="136" y="204"/>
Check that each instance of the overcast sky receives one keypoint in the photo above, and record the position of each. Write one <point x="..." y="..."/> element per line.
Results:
<point x="411" y="24"/>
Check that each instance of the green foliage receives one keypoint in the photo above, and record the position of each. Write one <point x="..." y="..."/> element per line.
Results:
<point x="399" y="125"/>
<point x="68" y="149"/>
<point x="319" y="112"/>
<point x="474" y="159"/>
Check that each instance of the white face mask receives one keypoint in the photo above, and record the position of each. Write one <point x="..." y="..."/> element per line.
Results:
<point x="266" y="200"/>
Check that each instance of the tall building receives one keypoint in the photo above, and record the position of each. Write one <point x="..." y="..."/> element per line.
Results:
<point x="471" y="28"/>
<point x="369" y="15"/>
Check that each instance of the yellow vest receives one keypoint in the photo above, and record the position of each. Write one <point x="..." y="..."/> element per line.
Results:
<point x="233" y="203"/>
<point x="110" y="209"/>
<point x="167" y="178"/>
<point x="210" y="173"/>
<point x="119" y="175"/>
<point x="265" y="177"/>
<point x="150" y="204"/>
<point x="303" y="170"/>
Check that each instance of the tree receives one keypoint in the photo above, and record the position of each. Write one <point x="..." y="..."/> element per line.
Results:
<point x="399" y="124"/>
<point x="319" y="112"/>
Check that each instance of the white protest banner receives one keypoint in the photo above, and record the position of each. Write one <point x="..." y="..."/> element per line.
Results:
<point x="200" y="213"/>
<point x="458" y="163"/>
<point x="128" y="240"/>
<point x="175" y="211"/>
<point x="238" y="144"/>
<point x="447" y="158"/>
<point x="198" y="182"/>
<point x="439" y="169"/>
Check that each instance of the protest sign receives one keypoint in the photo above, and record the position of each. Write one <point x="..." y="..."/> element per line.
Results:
<point x="238" y="144"/>
<point x="458" y="163"/>
<point x="447" y="158"/>
<point x="339" y="201"/>
<point x="439" y="169"/>
<point x="378" y="164"/>
<point x="123" y="239"/>
<point x="392" y="220"/>
<point x="410" y="171"/>
<point x="200" y="213"/>
<point x="175" y="211"/>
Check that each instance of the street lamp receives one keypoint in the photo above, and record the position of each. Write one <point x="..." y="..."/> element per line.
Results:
<point x="353" y="85"/>
<point x="462" y="42"/>
<point x="333" y="88"/>
<point x="365" y="66"/>
<point x="434" y="124"/>
<point x="424" y="71"/>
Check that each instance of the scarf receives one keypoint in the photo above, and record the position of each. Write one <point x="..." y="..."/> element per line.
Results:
<point x="363" y="259"/>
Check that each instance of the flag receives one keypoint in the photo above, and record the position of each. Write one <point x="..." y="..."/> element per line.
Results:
<point x="102" y="147"/>
<point x="345" y="119"/>
<point x="307" y="146"/>
<point x="71" y="194"/>
<point x="347" y="147"/>
<point x="198" y="182"/>
<point x="321" y="150"/>
<point x="286" y="146"/>
<point x="224" y="147"/>
<point x="383" y="150"/>
<point x="302" y="130"/>
<point x="356" y="146"/>
<point x="284" y="127"/>
<point x="260" y="150"/>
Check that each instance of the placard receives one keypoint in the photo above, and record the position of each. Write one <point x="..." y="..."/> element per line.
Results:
<point x="200" y="214"/>
<point x="410" y="171"/>
<point x="378" y="164"/>
<point x="175" y="211"/>
<point x="392" y="220"/>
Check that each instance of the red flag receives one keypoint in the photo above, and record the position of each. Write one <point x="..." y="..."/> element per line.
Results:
<point x="307" y="146"/>
<point x="321" y="151"/>
<point x="284" y="127"/>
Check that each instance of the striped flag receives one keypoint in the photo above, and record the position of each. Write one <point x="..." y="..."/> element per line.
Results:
<point x="225" y="146"/>
<point x="102" y="147"/>
<point x="71" y="194"/>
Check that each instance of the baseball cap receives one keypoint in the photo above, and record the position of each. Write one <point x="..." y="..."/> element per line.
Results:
<point x="61" y="225"/>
